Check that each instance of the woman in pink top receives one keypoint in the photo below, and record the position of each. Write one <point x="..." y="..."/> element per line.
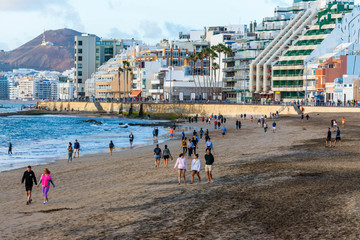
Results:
<point x="45" y="179"/>
<point x="181" y="166"/>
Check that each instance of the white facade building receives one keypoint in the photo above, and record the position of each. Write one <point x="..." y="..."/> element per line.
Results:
<point x="65" y="90"/>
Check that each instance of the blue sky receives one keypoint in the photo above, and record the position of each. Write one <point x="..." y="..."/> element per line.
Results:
<point x="148" y="20"/>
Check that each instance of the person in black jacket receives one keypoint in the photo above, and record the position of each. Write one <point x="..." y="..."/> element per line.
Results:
<point x="29" y="178"/>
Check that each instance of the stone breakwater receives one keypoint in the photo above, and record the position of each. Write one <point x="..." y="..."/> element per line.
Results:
<point x="229" y="110"/>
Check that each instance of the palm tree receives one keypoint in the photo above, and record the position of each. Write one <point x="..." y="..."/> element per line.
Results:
<point x="127" y="68"/>
<point x="120" y="70"/>
<point x="192" y="61"/>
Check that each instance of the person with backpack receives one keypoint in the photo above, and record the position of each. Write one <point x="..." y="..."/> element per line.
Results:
<point x="70" y="152"/>
<point x="157" y="155"/>
<point x="166" y="156"/>
<point x="111" y="147"/>
<point x="184" y="145"/>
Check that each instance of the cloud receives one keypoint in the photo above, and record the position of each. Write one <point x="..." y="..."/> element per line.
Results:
<point x="117" y="33"/>
<point x="28" y="5"/>
<point x="68" y="15"/>
<point x="281" y="3"/>
<point x="150" y="29"/>
<point x="173" y="29"/>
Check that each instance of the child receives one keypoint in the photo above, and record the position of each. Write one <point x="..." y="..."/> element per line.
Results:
<point x="195" y="168"/>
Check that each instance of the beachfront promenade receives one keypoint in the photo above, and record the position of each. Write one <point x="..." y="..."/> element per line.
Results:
<point x="229" y="110"/>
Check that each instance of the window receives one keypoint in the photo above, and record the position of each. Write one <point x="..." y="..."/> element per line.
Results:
<point x="97" y="50"/>
<point x="79" y="58"/>
<point x="80" y="50"/>
<point x="350" y="85"/>
<point x="80" y="65"/>
<point x="97" y="58"/>
<point x="79" y="80"/>
<point x="80" y="43"/>
<point x="345" y="85"/>
<point x="79" y="73"/>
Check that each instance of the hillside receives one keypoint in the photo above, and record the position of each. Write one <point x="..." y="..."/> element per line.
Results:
<point x="34" y="55"/>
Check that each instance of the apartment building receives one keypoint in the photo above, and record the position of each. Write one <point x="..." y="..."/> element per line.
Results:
<point x="285" y="70"/>
<point x="4" y="88"/>
<point x="90" y="53"/>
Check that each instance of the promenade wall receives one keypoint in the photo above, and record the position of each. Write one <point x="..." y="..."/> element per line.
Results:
<point x="230" y="110"/>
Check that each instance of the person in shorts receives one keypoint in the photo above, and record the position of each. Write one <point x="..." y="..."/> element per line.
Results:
<point x="328" y="138"/>
<point x="195" y="168"/>
<point x="166" y="156"/>
<point x="181" y="167"/>
<point x="76" y="148"/>
<point x="157" y="155"/>
<point x="28" y="178"/>
<point x="274" y="126"/>
<point x="209" y="161"/>
<point x="337" y="138"/>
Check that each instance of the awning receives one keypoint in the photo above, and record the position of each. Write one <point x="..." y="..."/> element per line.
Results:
<point x="135" y="93"/>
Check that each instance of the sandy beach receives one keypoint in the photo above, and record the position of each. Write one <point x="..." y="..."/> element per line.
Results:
<point x="283" y="185"/>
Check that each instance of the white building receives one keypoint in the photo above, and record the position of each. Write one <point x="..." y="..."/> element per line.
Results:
<point x="65" y="90"/>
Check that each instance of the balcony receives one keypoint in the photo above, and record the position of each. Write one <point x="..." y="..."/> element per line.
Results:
<point x="294" y="88"/>
<point x="228" y="69"/>
<point x="229" y="59"/>
<point x="228" y="78"/>
<point x="156" y="91"/>
<point x="155" y="81"/>
<point x="228" y="89"/>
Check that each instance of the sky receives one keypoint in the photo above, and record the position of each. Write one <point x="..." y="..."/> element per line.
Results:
<point x="147" y="20"/>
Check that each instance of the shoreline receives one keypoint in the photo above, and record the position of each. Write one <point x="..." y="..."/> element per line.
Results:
<point x="258" y="179"/>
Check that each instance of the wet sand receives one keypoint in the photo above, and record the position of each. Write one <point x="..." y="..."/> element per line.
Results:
<point x="283" y="185"/>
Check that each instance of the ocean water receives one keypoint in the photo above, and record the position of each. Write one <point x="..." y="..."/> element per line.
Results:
<point x="7" y="107"/>
<point x="40" y="139"/>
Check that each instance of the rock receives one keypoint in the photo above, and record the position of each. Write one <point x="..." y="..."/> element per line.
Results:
<point x="98" y="123"/>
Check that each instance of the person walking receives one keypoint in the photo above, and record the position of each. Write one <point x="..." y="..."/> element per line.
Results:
<point x="265" y="127"/>
<point x="157" y="155"/>
<point x="10" y="148"/>
<point x="70" y="152"/>
<point x="111" y="147"/>
<point x="194" y="144"/>
<point x="189" y="147"/>
<point x="215" y="124"/>
<point x="166" y="156"/>
<point x="172" y="132"/>
<point x="274" y="126"/>
<point x="76" y="148"/>
<point x="184" y="145"/>
<point x="29" y="178"/>
<point x="209" y="145"/>
<point x="209" y="161"/>
<point x="223" y="129"/>
<point x="131" y="139"/>
<point x="343" y="122"/>
<point x="237" y="124"/>
<point x="328" y="138"/>
<point x="45" y="181"/>
<point x="201" y="133"/>
<point x="181" y="166"/>
<point x="195" y="168"/>
<point x="337" y="138"/>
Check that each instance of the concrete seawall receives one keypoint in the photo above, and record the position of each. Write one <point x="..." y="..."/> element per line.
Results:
<point x="230" y="110"/>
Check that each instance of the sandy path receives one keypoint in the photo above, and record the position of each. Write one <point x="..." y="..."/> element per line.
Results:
<point x="282" y="185"/>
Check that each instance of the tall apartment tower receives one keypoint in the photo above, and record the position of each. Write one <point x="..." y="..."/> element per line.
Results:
<point x="90" y="53"/>
<point x="85" y="62"/>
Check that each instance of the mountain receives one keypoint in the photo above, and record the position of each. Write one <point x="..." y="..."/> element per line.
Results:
<point x="57" y="57"/>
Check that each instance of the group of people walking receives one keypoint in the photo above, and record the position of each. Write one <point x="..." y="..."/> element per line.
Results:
<point x="29" y="179"/>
